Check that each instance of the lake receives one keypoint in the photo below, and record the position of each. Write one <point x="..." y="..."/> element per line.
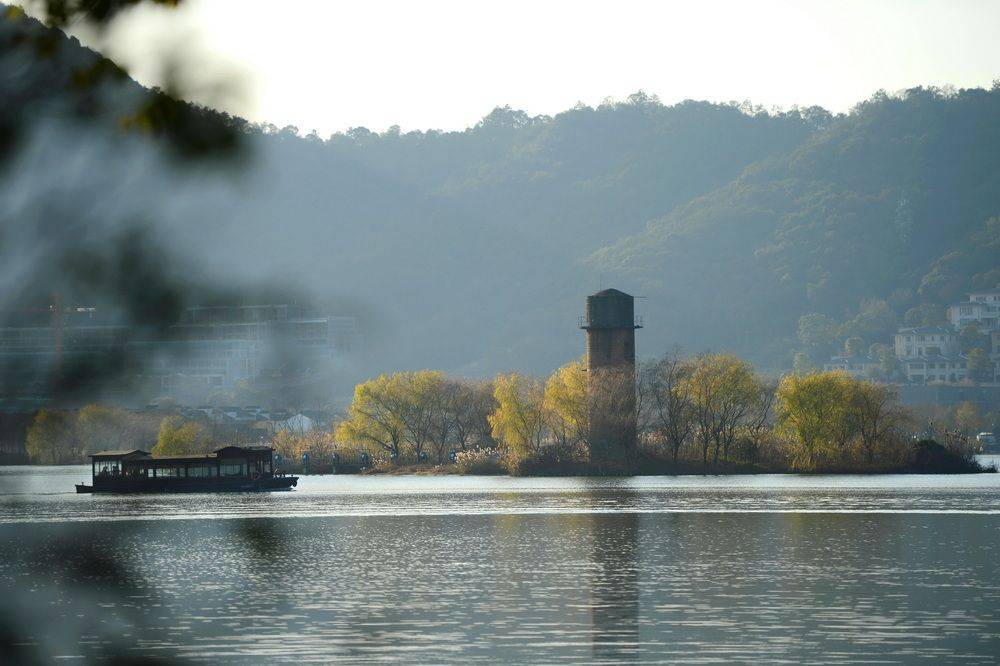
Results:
<point x="777" y="568"/>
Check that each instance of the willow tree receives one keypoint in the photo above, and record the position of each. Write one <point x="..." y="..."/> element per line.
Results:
<point x="722" y="391"/>
<point x="877" y="416"/>
<point x="815" y="412"/>
<point x="51" y="439"/>
<point x="519" y="422"/>
<point x="426" y="406"/>
<point x="99" y="427"/>
<point x="177" y="437"/>
<point x="670" y="412"/>
<point x="565" y="404"/>
<point x="475" y="403"/>
<point x="375" y="416"/>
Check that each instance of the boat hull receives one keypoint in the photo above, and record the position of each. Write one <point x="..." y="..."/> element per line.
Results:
<point x="174" y="485"/>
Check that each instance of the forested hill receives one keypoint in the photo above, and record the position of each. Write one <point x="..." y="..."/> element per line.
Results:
<point x="876" y="221"/>
<point x="472" y="251"/>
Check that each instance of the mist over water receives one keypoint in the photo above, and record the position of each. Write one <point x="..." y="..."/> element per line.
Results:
<point x="460" y="569"/>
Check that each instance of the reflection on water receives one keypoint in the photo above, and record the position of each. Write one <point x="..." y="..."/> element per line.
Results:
<point x="534" y="571"/>
<point x="615" y="587"/>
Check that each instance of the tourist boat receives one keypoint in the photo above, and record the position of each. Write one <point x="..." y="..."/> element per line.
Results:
<point x="229" y="469"/>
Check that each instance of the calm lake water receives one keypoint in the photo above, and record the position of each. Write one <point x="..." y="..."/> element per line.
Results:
<point x="775" y="568"/>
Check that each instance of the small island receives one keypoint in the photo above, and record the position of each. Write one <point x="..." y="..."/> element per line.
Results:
<point x="603" y="415"/>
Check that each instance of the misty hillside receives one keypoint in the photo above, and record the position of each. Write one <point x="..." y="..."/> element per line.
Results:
<point x="473" y="251"/>
<point x="891" y="203"/>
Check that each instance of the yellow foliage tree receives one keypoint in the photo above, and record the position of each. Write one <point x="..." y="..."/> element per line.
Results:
<point x="178" y="437"/>
<point x="518" y="422"/>
<point x="968" y="419"/>
<point x="291" y="446"/>
<point x="100" y="428"/>
<point x="288" y="445"/>
<point x="52" y="440"/>
<point x="722" y="391"/>
<point x="565" y="403"/>
<point x="815" y="412"/>
<point x="421" y="403"/>
<point x="375" y="416"/>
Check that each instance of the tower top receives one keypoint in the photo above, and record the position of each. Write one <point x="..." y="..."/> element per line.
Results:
<point x="611" y="293"/>
<point x="610" y="308"/>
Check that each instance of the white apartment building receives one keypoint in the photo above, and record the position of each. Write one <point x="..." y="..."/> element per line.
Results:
<point x="930" y="354"/>
<point x="935" y="368"/>
<point x="914" y="342"/>
<point x="982" y="309"/>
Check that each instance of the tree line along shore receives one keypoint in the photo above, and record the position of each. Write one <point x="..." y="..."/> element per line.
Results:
<point x="709" y="413"/>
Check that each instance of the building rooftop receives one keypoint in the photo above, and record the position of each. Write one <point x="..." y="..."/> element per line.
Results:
<point x="121" y="453"/>
<point x="854" y="359"/>
<point x="117" y="453"/>
<point x="604" y="293"/>
<point x="926" y="330"/>
<point x="934" y="358"/>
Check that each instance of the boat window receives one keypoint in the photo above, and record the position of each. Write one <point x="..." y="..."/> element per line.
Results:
<point x="198" y="471"/>
<point x="233" y="469"/>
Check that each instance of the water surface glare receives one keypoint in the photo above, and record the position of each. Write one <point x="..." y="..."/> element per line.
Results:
<point x="777" y="568"/>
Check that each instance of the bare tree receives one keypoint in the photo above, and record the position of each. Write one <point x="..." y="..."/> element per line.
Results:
<point x="721" y="389"/>
<point x="876" y="413"/>
<point x="474" y="406"/>
<point x="760" y="417"/>
<point x="669" y="405"/>
<point x="444" y="406"/>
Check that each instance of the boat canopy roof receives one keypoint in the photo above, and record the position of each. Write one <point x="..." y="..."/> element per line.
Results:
<point x="121" y="453"/>
<point x="224" y="452"/>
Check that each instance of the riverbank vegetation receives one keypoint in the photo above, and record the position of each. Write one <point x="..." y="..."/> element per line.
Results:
<point x="60" y="437"/>
<point x="707" y="413"/>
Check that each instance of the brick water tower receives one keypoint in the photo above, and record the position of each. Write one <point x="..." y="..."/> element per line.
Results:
<point x="610" y="323"/>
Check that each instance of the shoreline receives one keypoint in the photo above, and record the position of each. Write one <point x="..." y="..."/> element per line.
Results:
<point x="447" y="470"/>
<point x="583" y="471"/>
<point x="643" y="468"/>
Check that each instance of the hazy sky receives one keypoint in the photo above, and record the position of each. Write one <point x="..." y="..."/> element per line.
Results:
<point x="326" y="65"/>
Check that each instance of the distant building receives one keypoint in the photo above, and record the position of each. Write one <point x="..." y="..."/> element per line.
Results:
<point x="216" y="347"/>
<point x="930" y="354"/>
<point x="859" y="367"/>
<point x="933" y="354"/>
<point x="208" y="349"/>
<point x="982" y="309"/>
<point x="299" y="424"/>
<point x="934" y="340"/>
<point x="935" y="368"/>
